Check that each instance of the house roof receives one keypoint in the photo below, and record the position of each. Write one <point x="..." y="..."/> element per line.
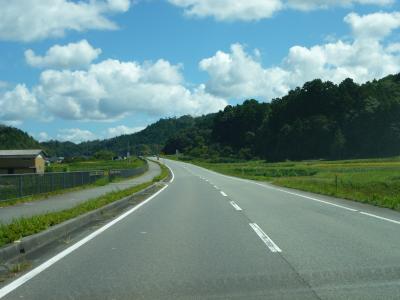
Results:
<point x="22" y="153"/>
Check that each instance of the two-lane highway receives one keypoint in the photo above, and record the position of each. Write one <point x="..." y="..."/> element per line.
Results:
<point x="210" y="236"/>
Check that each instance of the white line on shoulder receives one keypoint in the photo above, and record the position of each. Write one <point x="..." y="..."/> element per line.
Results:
<point x="36" y="271"/>
<point x="378" y="217"/>
<point x="172" y="173"/>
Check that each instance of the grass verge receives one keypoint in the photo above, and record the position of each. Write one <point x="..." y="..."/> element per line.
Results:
<point x="37" y="197"/>
<point x="22" y="227"/>
<point x="164" y="172"/>
<point x="372" y="181"/>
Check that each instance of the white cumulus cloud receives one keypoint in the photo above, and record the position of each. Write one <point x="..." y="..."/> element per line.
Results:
<point x="27" y="20"/>
<point x="75" y="135"/>
<point x="374" y="26"/>
<point x="18" y="104"/>
<point x="42" y="136"/>
<point x="72" y="55"/>
<point x="324" y="4"/>
<point x="238" y="74"/>
<point x="121" y="130"/>
<point x="226" y="10"/>
<point x="250" y="10"/>
<point x="113" y="89"/>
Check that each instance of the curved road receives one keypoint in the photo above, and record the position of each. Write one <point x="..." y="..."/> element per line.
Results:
<point x="71" y="199"/>
<point x="209" y="236"/>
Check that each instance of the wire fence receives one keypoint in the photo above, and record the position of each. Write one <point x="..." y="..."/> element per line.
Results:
<point x="22" y="185"/>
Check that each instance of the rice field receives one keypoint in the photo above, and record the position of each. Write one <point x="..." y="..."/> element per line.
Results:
<point x="93" y="165"/>
<point x="373" y="181"/>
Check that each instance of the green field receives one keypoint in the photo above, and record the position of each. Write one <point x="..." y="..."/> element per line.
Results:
<point x="9" y="190"/>
<point x="96" y="165"/>
<point x="26" y="226"/>
<point x="373" y="181"/>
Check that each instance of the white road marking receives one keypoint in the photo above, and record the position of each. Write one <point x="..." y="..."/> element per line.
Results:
<point x="313" y="199"/>
<point x="281" y="190"/>
<point x="173" y="176"/>
<point x="265" y="238"/>
<point x="223" y="194"/>
<point x="36" y="271"/>
<point x="299" y="195"/>
<point x="378" y="217"/>
<point x="215" y="187"/>
<point x="237" y="207"/>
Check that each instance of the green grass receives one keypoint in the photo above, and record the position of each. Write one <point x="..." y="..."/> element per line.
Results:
<point x="372" y="181"/>
<point x="100" y="182"/>
<point x="96" y="165"/>
<point x="164" y="172"/>
<point x="42" y="196"/>
<point x="22" y="227"/>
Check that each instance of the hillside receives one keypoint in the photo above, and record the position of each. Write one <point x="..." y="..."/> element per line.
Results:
<point x="149" y="140"/>
<point x="321" y="120"/>
<point x="13" y="138"/>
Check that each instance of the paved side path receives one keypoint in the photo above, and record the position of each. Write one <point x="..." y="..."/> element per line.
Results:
<point x="68" y="200"/>
<point x="207" y="236"/>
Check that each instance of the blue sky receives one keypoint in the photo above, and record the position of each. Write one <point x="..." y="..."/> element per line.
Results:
<point x="103" y="68"/>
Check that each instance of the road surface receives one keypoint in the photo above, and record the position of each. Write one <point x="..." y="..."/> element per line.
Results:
<point x="71" y="199"/>
<point x="208" y="236"/>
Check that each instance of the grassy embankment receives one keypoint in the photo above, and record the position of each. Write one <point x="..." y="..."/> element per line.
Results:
<point x="80" y="166"/>
<point x="27" y="226"/>
<point x="372" y="181"/>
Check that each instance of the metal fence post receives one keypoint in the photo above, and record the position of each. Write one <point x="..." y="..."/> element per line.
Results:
<point x="20" y="185"/>
<point x="336" y="182"/>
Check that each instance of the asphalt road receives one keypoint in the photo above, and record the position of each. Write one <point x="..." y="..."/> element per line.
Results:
<point x="71" y="199"/>
<point x="192" y="242"/>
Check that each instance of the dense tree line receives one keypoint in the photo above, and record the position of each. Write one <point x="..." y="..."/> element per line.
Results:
<point x="146" y="142"/>
<point x="319" y="120"/>
<point x="13" y="138"/>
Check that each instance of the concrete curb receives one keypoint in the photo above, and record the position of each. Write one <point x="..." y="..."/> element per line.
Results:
<point x="40" y="240"/>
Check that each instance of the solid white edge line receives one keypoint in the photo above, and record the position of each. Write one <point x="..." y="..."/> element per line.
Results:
<point x="223" y="194"/>
<point x="265" y="238"/>
<point x="281" y="190"/>
<point x="314" y="199"/>
<point x="378" y="217"/>
<point x="299" y="195"/>
<point x="237" y="207"/>
<point x="36" y="271"/>
<point x="173" y="175"/>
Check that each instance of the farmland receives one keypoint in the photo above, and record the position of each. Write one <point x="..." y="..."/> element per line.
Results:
<point x="86" y="165"/>
<point x="373" y="181"/>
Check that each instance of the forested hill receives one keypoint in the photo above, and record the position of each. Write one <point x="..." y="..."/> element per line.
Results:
<point x="148" y="141"/>
<point x="13" y="138"/>
<point x="319" y="120"/>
